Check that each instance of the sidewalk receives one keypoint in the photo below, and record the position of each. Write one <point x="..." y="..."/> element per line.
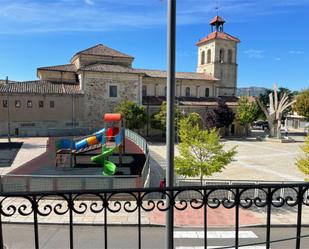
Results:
<point x="219" y="217"/>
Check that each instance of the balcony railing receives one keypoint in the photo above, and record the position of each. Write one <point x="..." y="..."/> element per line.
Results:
<point x="139" y="201"/>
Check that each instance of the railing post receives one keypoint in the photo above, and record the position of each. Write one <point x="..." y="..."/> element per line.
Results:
<point x="299" y="216"/>
<point x="268" y="219"/>
<point x="170" y="137"/>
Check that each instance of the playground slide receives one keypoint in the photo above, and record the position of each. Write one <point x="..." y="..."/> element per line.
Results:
<point x="109" y="167"/>
<point x="68" y="144"/>
<point x="93" y="140"/>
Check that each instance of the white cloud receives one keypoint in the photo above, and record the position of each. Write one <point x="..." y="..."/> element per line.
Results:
<point x="89" y="2"/>
<point x="254" y="53"/>
<point x="18" y="16"/>
<point x="277" y="59"/>
<point x="296" y="52"/>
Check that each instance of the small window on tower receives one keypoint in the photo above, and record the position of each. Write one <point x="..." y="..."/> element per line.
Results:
<point x="208" y="56"/>
<point x="203" y="57"/>
<point x="52" y="104"/>
<point x="230" y="56"/>
<point x="221" y="55"/>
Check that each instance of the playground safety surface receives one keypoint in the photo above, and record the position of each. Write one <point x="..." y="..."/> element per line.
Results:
<point x="133" y="161"/>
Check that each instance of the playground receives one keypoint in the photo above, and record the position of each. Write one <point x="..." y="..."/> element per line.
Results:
<point x="111" y="152"/>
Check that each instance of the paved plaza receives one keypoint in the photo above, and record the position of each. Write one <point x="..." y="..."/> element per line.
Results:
<point x="255" y="160"/>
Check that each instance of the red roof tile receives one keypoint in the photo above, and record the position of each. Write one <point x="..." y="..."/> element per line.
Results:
<point x="179" y="75"/>
<point x="218" y="35"/>
<point x="217" y="19"/>
<point x="102" y="50"/>
<point x="63" y="68"/>
<point x="40" y="87"/>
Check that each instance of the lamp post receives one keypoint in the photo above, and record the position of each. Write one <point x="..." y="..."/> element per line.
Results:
<point x="8" y="108"/>
<point x="170" y="130"/>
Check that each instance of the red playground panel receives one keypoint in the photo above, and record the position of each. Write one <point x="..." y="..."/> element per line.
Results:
<point x="112" y="117"/>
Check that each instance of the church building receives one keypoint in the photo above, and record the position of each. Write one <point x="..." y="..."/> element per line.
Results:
<point x="72" y="98"/>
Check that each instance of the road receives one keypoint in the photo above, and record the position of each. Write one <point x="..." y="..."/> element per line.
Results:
<point x="92" y="237"/>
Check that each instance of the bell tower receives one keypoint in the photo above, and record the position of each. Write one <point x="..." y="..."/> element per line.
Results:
<point x="217" y="56"/>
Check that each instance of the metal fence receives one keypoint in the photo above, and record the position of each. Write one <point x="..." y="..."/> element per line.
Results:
<point x="142" y="144"/>
<point x="252" y="193"/>
<point x="71" y="203"/>
<point x="138" y="140"/>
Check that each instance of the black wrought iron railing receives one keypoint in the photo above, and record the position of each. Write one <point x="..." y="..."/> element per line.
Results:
<point x="138" y="201"/>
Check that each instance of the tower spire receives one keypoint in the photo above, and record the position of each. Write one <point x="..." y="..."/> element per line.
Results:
<point x="217" y="7"/>
<point x="217" y="22"/>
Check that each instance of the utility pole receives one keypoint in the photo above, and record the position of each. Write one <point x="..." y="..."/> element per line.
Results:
<point x="8" y="108"/>
<point x="170" y="130"/>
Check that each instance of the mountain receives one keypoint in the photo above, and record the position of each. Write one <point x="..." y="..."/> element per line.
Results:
<point x="250" y="91"/>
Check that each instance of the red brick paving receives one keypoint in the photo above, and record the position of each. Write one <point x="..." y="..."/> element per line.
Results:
<point x="215" y="217"/>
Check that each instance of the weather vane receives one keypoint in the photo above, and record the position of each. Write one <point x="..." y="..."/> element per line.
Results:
<point x="217" y="7"/>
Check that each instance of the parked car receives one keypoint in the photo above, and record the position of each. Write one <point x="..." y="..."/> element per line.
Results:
<point x="261" y="124"/>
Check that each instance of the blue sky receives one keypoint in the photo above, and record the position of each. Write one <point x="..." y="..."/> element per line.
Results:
<point x="274" y="35"/>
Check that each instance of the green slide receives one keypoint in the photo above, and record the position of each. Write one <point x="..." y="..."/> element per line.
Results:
<point x="109" y="167"/>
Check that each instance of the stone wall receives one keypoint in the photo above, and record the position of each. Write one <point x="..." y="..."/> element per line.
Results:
<point x="85" y="60"/>
<point x="56" y="76"/>
<point x="97" y="100"/>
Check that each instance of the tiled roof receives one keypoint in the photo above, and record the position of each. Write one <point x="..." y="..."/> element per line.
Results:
<point x="179" y="75"/>
<point x="100" y="67"/>
<point x="40" y="87"/>
<point x="4" y="81"/>
<point x="102" y="50"/>
<point x="217" y="19"/>
<point x="192" y="101"/>
<point x="218" y="35"/>
<point x="64" y="68"/>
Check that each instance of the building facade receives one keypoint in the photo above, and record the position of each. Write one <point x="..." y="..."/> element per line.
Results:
<point x="72" y="98"/>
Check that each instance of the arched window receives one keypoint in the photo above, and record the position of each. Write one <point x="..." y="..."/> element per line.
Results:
<point x="187" y="91"/>
<point x="208" y="56"/>
<point x="207" y="92"/>
<point x="203" y="57"/>
<point x="230" y="56"/>
<point x="221" y="55"/>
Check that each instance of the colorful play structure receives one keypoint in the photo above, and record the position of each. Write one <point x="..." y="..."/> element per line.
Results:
<point x="109" y="139"/>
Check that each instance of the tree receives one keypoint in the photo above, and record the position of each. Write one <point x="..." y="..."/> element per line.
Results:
<point x="303" y="163"/>
<point x="194" y="118"/>
<point x="264" y="99"/>
<point x="135" y="116"/>
<point x="275" y="110"/>
<point x="220" y="116"/>
<point x="246" y="112"/>
<point x="158" y="120"/>
<point x="201" y="153"/>
<point x="302" y="104"/>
